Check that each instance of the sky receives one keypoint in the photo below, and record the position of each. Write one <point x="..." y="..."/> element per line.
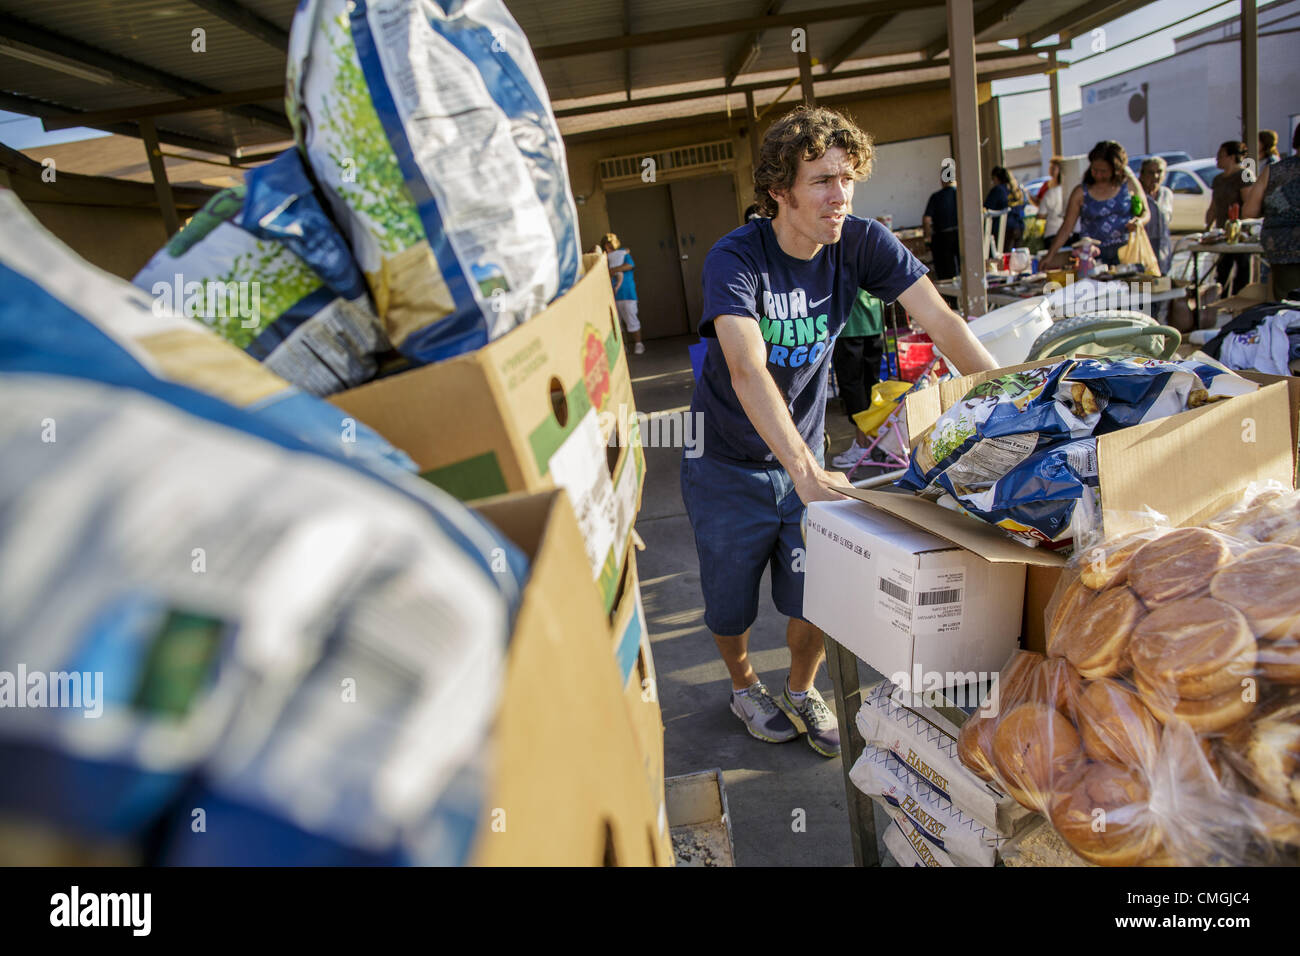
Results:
<point x="1022" y="115"/>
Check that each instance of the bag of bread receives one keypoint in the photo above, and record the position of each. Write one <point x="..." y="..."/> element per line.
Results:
<point x="1184" y="745"/>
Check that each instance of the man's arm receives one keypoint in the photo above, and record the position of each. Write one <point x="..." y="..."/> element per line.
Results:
<point x="746" y="355"/>
<point x="927" y="227"/>
<point x="948" y="330"/>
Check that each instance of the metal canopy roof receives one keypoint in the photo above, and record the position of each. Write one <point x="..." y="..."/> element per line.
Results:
<point x="607" y="63"/>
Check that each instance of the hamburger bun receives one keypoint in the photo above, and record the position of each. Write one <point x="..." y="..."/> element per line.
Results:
<point x="1264" y="585"/>
<point x="1035" y="746"/>
<point x="1106" y="565"/>
<point x="1273" y="754"/>
<point x="1073" y="601"/>
<point x="975" y="746"/>
<point x="1096" y="640"/>
<point x="1176" y="565"/>
<point x="1196" y="648"/>
<point x="1059" y="685"/>
<point x="1208" y="716"/>
<point x="1103" y="813"/>
<point x="1116" y="726"/>
<point x="1279" y="661"/>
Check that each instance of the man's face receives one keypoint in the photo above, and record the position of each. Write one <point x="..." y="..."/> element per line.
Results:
<point x="820" y="198"/>
<point x="1150" y="179"/>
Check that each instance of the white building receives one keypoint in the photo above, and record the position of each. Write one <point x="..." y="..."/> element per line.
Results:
<point x="1194" y="95"/>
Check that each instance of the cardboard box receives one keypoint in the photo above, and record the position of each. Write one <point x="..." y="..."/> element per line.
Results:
<point x="535" y="409"/>
<point x="1188" y="466"/>
<point x="904" y="600"/>
<point x="699" y="820"/>
<point x="570" y="787"/>
<point x="640" y="688"/>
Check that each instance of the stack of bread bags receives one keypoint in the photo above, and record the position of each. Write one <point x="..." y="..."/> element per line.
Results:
<point x="1163" y="726"/>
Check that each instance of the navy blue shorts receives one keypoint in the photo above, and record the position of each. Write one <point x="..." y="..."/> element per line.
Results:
<point x="744" y="519"/>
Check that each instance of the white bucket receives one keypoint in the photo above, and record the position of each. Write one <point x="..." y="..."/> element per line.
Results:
<point x="1008" y="332"/>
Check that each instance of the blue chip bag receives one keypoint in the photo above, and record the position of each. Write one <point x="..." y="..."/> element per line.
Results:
<point x="1132" y="391"/>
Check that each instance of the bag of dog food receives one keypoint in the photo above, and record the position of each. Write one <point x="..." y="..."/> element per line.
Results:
<point x="430" y="131"/>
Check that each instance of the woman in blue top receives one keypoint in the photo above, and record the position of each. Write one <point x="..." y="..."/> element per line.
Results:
<point x="1007" y="194"/>
<point x="1102" y="205"/>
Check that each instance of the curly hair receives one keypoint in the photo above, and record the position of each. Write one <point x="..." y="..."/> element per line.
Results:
<point x="1107" y="151"/>
<point x="806" y="133"/>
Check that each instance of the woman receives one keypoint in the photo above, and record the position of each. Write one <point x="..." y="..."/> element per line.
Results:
<point x="1268" y="154"/>
<point x="1277" y="197"/>
<point x="1160" y="199"/>
<point x="1102" y="203"/>
<point x="1051" y="201"/>
<point x="1006" y="194"/>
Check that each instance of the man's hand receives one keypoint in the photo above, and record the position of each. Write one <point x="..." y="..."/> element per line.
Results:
<point x="819" y="485"/>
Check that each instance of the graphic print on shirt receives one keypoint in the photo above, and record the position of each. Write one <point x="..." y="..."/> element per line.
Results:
<point x="794" y="338"/>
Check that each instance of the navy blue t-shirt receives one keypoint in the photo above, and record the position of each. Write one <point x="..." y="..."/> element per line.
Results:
<point x="800" y="307"/>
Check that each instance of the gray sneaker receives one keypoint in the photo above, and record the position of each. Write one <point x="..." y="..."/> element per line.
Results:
<point x="815" y="719"/>
<point x="761" y="715"/>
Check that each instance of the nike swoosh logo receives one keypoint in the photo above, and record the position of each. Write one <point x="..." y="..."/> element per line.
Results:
<point x="813" y="305"/>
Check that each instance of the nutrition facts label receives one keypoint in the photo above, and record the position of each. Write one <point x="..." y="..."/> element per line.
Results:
<point x="992" y="458"/>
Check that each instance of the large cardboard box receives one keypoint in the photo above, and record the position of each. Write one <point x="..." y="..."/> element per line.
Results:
<point x="905" y="601"/>
<point x="640" y="688"/>
<point x="570" y="787"/>
<point x="1188" y="466"/>
<point x="537" y="408"/>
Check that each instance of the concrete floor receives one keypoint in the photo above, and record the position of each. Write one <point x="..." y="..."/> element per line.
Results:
<point x="767" y="784"/>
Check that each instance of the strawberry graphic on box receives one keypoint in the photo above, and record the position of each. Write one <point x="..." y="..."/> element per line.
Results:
<point x="595" y="367"/>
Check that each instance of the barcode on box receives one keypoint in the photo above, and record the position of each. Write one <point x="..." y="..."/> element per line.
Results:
<point x="893" y="590"/>
<point x="947" y="596"/>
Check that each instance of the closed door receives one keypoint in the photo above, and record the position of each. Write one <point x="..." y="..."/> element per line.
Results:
<point x="643" y="221"/>
<point x="704" y="210"/>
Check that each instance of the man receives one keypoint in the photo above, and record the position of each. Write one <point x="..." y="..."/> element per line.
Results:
<point x="856" y="360"/>
<point x="620" y="274"/>
<point x="939" y="228"/>
<point x="777" y="292"/>
<point x="1228" y="189"/>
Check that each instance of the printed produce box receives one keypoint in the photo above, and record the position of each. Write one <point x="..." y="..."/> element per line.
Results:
<point x="636" y="668"/>
<point x="544" y="405"/>
<point x="570" y="786"/>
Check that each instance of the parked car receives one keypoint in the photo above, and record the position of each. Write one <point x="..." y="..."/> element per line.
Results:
<point x="1190" y="184"/>
<point x="1170" y="158"/>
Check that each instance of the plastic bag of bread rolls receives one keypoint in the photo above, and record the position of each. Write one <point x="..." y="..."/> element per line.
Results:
<point x="1171" y="735"/>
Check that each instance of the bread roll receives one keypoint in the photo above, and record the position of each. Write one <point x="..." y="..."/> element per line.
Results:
<point x="1264" y="585"/>
<point x="1196" y="648"/>
<point x="1096" y="640"/>
<point x="1103" y="813"/>
<point x="1212" y="715"/>
<point x="1176" y="565"/>
<point x="1059" y="684"/>
<point x="1278" y="662"/>
<point x="1075" y="599"/>
<point x="1034" y="746"/>
<point x="975" y="746"/>
<point x="1116" y="726"/>
<point x="1106" y="565"/>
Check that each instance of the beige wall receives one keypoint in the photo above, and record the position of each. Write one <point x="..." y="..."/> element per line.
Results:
<point x="888" y="117"/>
<point x="118" y="239"/>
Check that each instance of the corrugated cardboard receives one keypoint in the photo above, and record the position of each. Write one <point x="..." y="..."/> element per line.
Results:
<point x="1188" y="466"/>
<point x="903" y="599"/>
<point x="570" y="788"/>
<point x="546" y="397"/>
<point x="631" y="646"/>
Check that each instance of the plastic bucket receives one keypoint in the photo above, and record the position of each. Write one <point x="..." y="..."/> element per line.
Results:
<point x="1009" y="332"/>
